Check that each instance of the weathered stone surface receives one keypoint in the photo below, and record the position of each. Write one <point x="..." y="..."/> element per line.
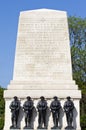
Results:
<point x="42" y="58"/>
<point x="42" y="51"/>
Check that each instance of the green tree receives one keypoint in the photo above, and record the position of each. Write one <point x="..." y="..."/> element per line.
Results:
<point x="77" y="31"/>
<point x="2" y="106"/>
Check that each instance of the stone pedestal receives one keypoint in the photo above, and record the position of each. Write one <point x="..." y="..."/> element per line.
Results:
<point x="56" y="129"/>
<point x="62" y="122"/>
<point x="14" y="129"/>
<point x="42" y="66"/>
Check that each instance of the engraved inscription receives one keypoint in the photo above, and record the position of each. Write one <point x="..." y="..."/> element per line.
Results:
<point x="42" y="46"/>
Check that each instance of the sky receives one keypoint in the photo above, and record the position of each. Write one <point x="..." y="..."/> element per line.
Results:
<point x="9" y="16"/>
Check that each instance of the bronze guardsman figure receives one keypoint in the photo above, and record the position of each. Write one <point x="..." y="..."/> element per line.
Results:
<point x="15" y="107"/>
<point x="28" y="110"/>
<point x="68" y="108"/>
<point x="42" y="107"/>
<point x="55" y="109"/>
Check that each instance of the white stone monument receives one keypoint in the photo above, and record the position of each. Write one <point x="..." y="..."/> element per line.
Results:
<point x="42" y="64"/>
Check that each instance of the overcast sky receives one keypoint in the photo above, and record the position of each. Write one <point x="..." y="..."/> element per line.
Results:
<point x="9" y="14"/>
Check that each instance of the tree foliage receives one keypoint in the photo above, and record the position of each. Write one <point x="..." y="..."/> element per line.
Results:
<point x="77" y="30"/>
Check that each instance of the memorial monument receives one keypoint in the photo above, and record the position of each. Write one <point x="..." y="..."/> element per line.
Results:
<point x="42" y="67"/>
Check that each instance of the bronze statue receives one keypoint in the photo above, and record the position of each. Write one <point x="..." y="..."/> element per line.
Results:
<point x="68" y="108"/>
<point x="15" y="107"/>
<point x="55" y="109"/>
<point x="28" y="109"/>
<point x="42" y="107"/>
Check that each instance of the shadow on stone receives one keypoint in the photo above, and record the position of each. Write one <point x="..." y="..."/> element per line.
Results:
<point x="42" y="128"/>
<point x="69" y="128"/>
<point x="74" y="118"/>
<point x="56" y="128"/>
<point x="26" y="128"/>
<point x="21" y="114"/>
<point x="47" y="116"/>
<point x="33" y="118"/>
<point x="61" y="118"/>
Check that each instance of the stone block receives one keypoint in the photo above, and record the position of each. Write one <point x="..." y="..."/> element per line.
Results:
<point x="14" y="129"/>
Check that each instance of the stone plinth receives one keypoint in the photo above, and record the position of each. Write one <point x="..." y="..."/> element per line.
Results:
<point x="56" y="129"/>
<point x="42" y="65"/>
<point x="14" y="129"/>
<point x="19" y="129"/>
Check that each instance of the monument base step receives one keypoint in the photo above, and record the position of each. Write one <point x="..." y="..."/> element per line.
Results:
<point x="46" y="93"/>
<point x="56" y="129"/>
<point x="43" y="129"/>
<point x="15" y="129"/>
<point x="28" y="129"/>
